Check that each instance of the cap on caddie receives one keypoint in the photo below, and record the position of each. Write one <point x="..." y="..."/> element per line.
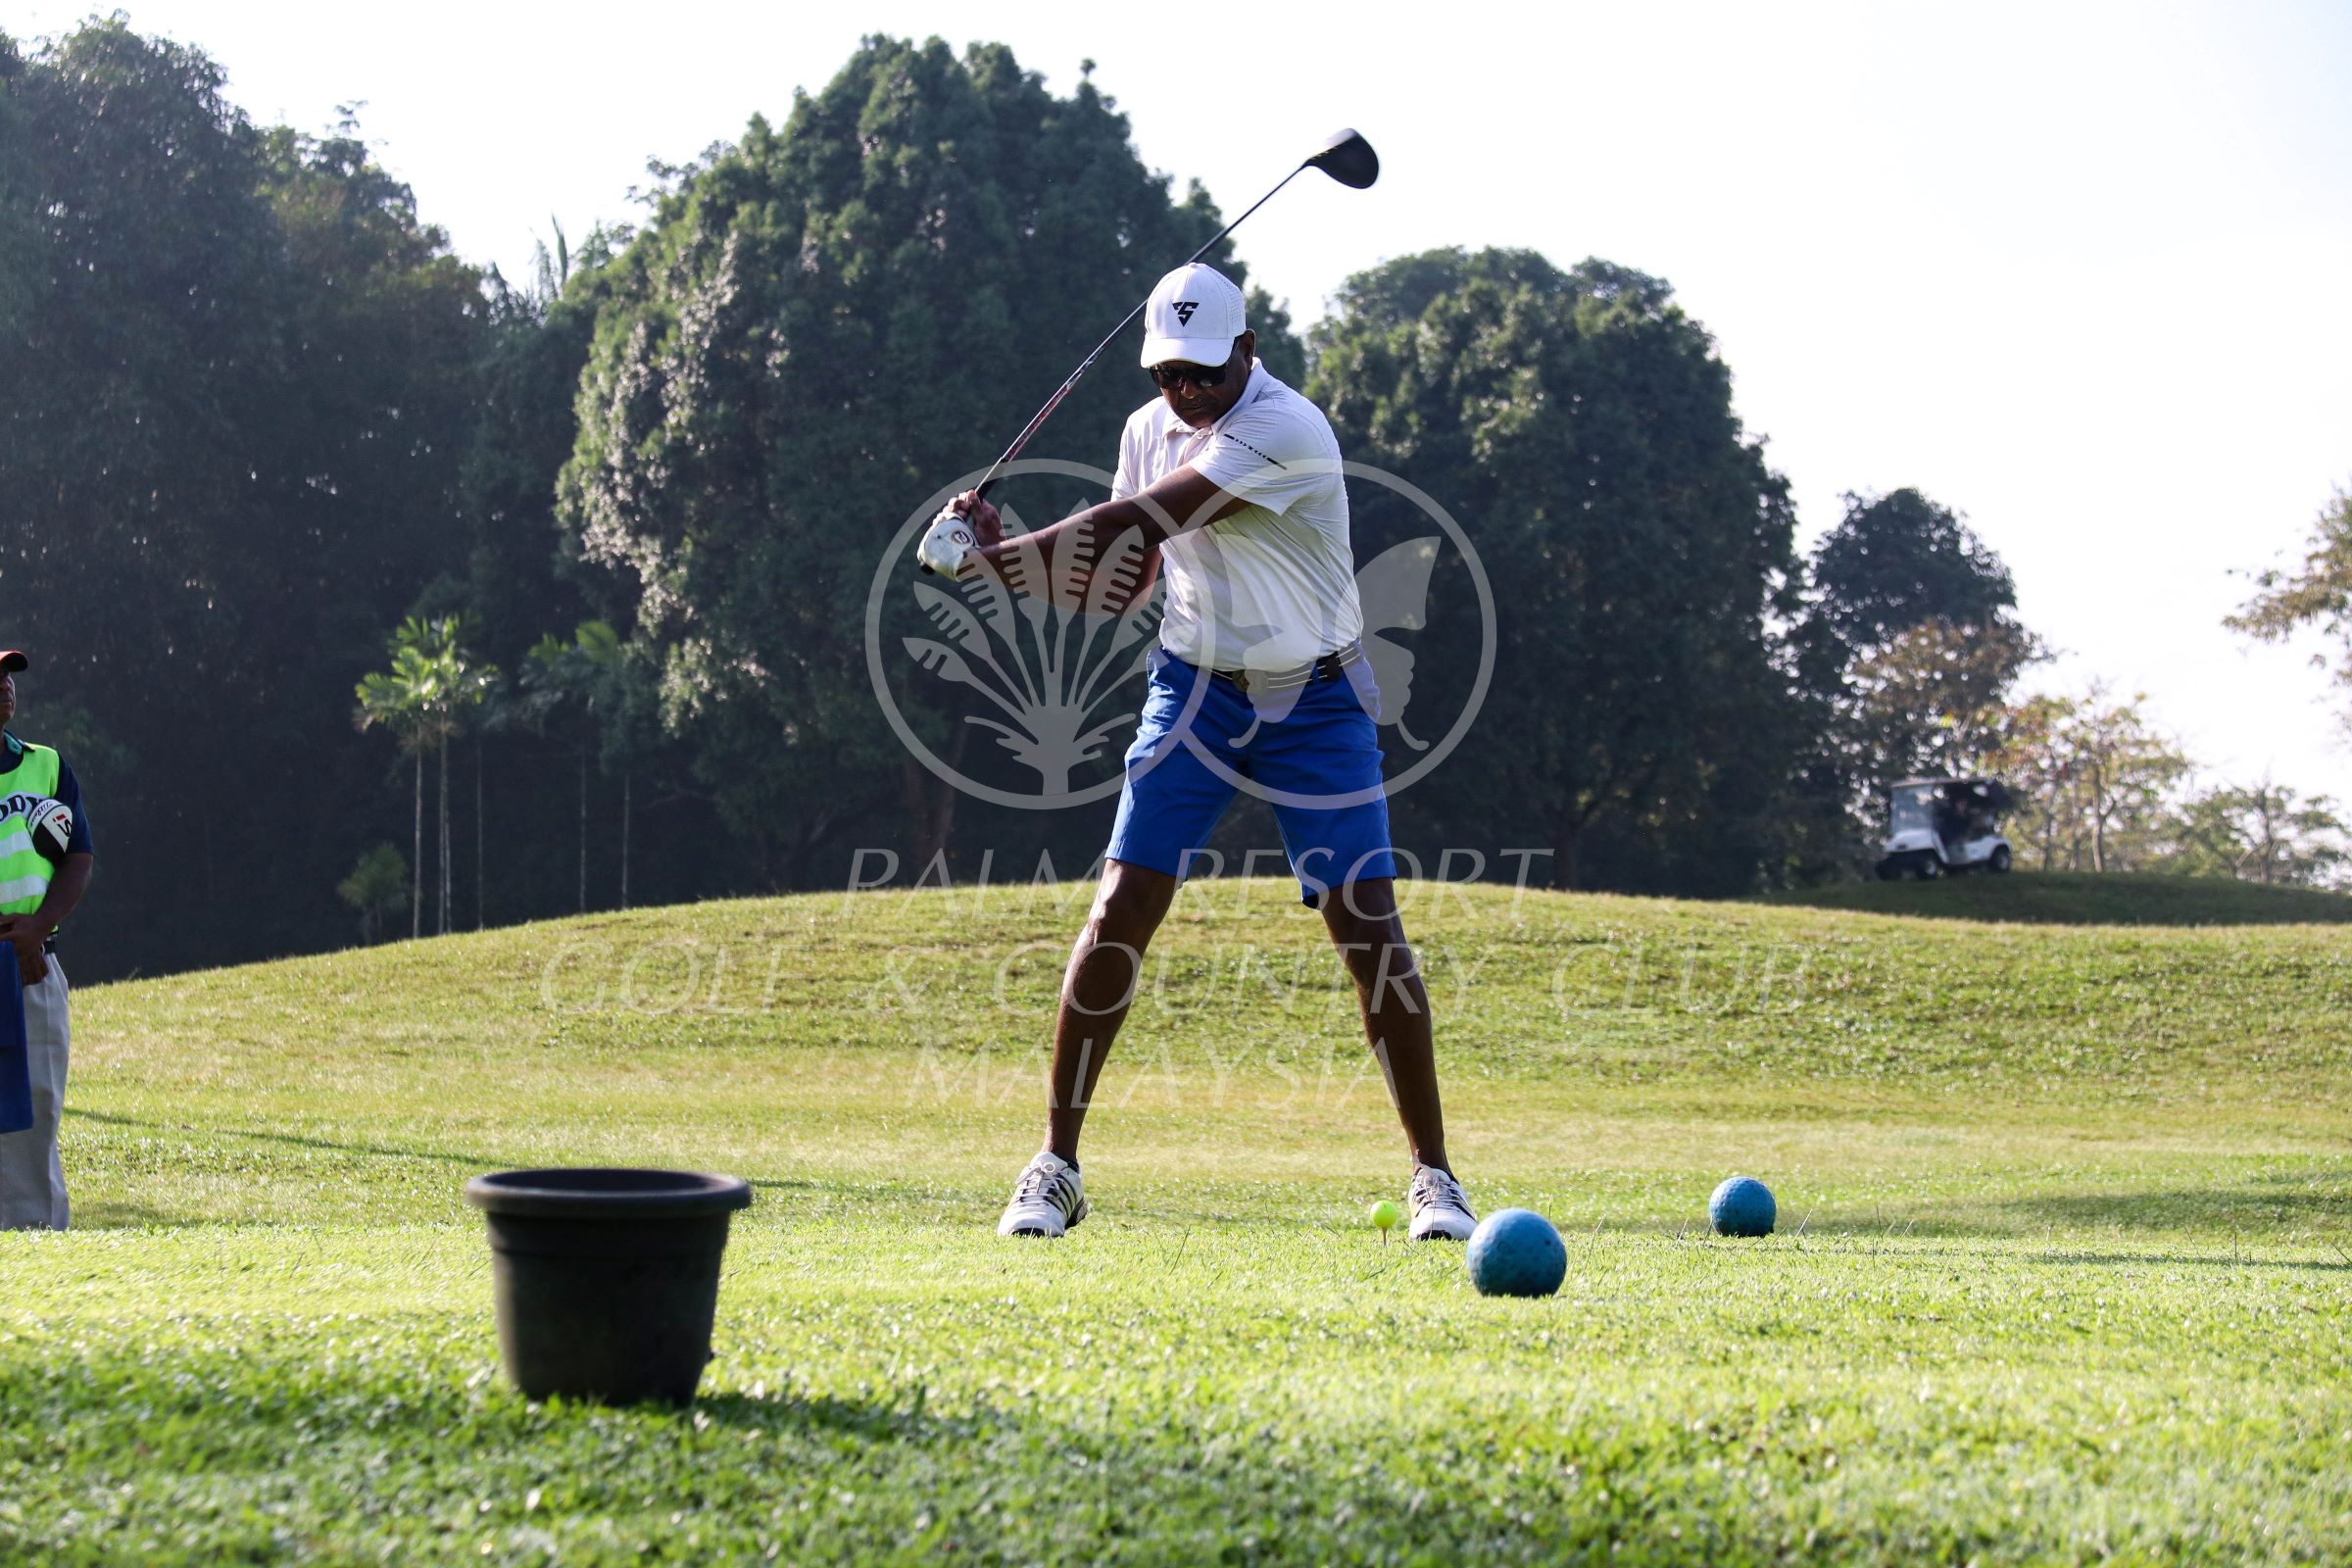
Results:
<point x="1193" y="318"/>
<point x="11" y="662"/>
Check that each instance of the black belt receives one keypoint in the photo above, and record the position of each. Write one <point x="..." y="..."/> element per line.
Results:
<point x="1331" y="666"/>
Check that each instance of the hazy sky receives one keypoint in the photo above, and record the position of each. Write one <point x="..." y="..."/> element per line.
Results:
<point x="2084" y="273"/>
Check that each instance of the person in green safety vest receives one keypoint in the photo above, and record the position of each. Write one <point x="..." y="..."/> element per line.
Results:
<point x="39" y="885"/>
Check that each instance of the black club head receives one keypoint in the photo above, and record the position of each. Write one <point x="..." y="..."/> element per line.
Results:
<point x="1348" y="159"/>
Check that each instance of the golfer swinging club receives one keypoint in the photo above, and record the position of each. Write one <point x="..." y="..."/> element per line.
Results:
<point x="1231" y="481"/>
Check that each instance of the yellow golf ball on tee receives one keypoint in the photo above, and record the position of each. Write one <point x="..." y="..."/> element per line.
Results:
<point x="1386" y="1214"/>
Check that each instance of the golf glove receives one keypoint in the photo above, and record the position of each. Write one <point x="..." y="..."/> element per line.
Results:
<point x="944" y="543"/>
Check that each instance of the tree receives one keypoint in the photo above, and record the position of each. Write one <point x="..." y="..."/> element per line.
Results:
<point x="1580" y="424"/>
<point x="2124" y="767"/>
<point x="376" y="888"/>
<point x="593" y="688"/>
<point x="473" y="687"/>
<point x="819" y="325"/>
<point x="619" y="701"/>
<point x="557" y="683"/>
<point x="2033" y="758"/>
<point x="2262" y="832"/>
<point x="1900" y="559"/>
<point x="538" y="344"/>
<point x="2094" y="776"/>
<point x="1931" y="699"/>
<point x="402" y="700"/>
<point x="1904" y="654"/>
<point x="427" y="698"/>
<point x="238" y="376"/>
<point x="2318" y="595"/>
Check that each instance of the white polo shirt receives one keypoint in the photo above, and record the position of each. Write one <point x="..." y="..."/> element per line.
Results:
<point x="1272" y="586"/>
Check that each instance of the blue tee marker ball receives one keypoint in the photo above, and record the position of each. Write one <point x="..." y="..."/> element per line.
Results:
<point x="1515" y="1252"/>
<point x="1741" y="1207"/>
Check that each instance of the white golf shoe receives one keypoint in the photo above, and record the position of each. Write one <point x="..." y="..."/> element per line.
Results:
<point x="1048" y="1200"/>
<point x="1439" y="1210"/>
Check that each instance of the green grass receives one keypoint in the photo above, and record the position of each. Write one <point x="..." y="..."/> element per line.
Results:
<point x="2081" y="897"/>
<point x="2063" y="1274"/>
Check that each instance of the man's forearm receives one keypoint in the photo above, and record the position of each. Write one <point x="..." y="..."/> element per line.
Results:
<point x="64" y="892"/>
<point x="1058" y="563"/>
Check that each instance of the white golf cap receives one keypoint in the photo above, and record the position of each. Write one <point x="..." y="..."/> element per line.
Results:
<point x="1194" y="315"/>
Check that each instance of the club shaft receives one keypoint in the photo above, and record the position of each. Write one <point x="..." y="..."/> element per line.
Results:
<point x="1037" y="422"/>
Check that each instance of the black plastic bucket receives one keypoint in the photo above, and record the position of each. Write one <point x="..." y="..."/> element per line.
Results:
<point x="607" y="1279"/>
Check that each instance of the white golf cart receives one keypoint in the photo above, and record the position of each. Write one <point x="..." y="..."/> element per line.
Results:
<point x="1939" y="825"/>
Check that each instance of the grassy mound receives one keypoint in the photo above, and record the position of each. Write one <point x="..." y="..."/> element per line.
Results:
<point x="2061" y="1277"/>
<point x="2081" y="897"/>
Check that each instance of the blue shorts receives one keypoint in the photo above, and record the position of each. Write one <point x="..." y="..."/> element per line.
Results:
<point x="1318" y="764"/>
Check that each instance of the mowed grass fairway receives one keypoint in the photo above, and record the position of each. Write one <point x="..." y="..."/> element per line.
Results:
<point x="2063" y="1275"/>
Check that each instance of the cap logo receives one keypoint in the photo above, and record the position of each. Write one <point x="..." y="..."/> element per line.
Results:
<point x="1184" y="310"/>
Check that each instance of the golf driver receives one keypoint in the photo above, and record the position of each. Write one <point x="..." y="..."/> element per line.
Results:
<point x="1345" y="157"/>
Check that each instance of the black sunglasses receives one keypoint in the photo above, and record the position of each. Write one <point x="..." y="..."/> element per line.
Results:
<point x="1168" y="375"/>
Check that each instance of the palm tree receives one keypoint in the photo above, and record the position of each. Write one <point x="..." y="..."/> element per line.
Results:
<point x="425" y="699"/>
<point x="403" y="700"/>
<point x="470" y="686"/>
<point x="500" y="710"/>
<point x="598" y="681"/>
<point x="607" y="683"/>
<point x="561" y="677"/>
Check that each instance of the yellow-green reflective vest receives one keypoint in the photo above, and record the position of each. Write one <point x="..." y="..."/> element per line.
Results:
<point x="24" y="873"/>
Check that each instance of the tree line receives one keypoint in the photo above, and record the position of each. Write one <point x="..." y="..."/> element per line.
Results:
<point x="372" y="592"/>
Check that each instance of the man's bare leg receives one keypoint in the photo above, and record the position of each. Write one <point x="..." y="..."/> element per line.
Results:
<point x="1105" y="969"/>
<point x="1369" y="933"/>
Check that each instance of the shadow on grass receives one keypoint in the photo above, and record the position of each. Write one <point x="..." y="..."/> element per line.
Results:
<point x="2077" y="1257"/>
<point x="117" y="1214"/>
<point x="1876" y="1234"/>
<point x="2080" y="897"/>
<point x="128" y="1215"/>
<point x="295" y="1139"/>
<point x="2256" y="1214"/>
<point x="392" y="1466"/>
<point x="2232" y="1210"/>
<point x="909" y="1420"/>
<point x="258" y="1452"/>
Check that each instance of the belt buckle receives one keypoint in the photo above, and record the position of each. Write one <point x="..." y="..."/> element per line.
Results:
<point x="1323" y="666"/>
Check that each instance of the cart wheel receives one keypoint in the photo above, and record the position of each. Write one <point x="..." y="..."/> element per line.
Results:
<point x="1889" y="870"/>
<point x="1930" y="867"/>
<point x="2001" y="859"/>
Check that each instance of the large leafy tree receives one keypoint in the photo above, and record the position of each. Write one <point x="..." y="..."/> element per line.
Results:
<point x="237" y="399"/>
<point x="537" y="342"/>
<point x="146" y="361"/>
<point x="1579" y="426"/>
<point x="1900" y="559"/>
<point x="820" y="325"/>
<point x="1931" y="698"/>
<point x="1908" y="655"/>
